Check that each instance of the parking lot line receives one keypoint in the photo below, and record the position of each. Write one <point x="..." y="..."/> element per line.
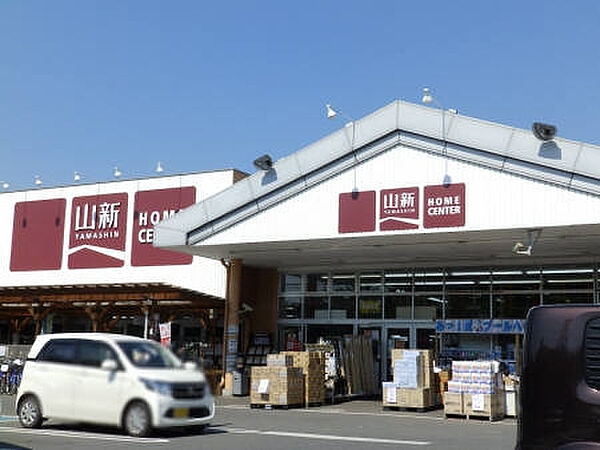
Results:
<point x="328" y="437"/>
<point x="83" y="435"/>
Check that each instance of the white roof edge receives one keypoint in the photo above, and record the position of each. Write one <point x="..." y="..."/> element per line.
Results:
<point x="572" y="157"/>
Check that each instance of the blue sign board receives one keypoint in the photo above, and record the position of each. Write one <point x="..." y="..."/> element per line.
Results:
<point x="481" y="326"/>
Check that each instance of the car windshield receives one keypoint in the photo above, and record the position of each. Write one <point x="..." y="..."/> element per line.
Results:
<point x="149" y="354"/>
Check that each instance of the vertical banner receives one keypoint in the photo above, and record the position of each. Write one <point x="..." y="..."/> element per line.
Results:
<point x="165" y="334"/>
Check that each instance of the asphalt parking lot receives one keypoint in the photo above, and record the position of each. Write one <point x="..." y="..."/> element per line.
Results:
<point x="358" y="424"/>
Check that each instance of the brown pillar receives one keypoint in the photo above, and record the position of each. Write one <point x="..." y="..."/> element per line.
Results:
<point x="232" y="326"/>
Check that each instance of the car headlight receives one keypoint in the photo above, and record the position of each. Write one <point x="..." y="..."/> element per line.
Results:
<point x="160" y="387"/>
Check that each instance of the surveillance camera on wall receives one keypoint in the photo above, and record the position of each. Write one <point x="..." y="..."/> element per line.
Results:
<point x="544" y="131"/>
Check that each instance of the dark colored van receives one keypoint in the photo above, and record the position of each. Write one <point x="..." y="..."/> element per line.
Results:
<point x="560" y="382"/>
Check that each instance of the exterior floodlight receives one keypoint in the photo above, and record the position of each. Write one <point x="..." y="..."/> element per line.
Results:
<point x="543" y="131"/>
<point x="526" y="249"/>
<point x="331" y="113"/>
<point x="76" y="176"/>
<point x="37" y="181"/>
<point x="265" y="162"/>
<point x="5" y="185"/>
<point x="521" y="249"/>
<point x="427" y="97"/>
<point x="117" y="173"/>
<point x="159" y="168"/>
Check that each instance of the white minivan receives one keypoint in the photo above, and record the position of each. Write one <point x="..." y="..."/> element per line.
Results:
<point x="111" y="379"/>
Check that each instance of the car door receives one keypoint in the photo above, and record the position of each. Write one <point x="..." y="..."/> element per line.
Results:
<point x="53" y="376"/>
<point x="100" y="393"/>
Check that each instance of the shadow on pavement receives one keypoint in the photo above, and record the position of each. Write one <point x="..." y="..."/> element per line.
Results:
<point x="5" y="446"/>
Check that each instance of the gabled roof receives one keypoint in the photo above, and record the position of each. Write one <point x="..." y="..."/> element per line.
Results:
<point x="566" y="163"/>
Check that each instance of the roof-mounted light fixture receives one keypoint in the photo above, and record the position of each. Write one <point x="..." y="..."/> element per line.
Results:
<point x="526" y="249"/>
<point x="37" y="180"/>
<point x="264" y="162"/>
<point x="117" y="173"/>
<point x="159" y="168"/>
<point x="543" y="131"/>
<point x="331" y="114"/>
<point x="76" y="176"/>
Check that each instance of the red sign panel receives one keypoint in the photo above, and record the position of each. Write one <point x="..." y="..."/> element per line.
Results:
<point x="98" y="231"/>
<point x="356" y="212"/>
<point x="38" y="232"/>
<point x="444" y="206"/>
<point x="150" y="208"/>
<point x="398" y="204"/>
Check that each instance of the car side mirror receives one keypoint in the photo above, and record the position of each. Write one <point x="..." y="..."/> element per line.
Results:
<point x="109" y="365"/>
<point x="190" y="365"/>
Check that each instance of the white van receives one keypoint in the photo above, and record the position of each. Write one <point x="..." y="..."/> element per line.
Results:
<point x="111" y="379"/>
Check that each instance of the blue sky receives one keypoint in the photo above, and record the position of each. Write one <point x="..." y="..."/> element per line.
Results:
<point x="89" y="85"/>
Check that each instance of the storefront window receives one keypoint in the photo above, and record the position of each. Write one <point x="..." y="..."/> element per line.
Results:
<point x="290" y="307"/>
<point x="371" y="282"/>
<point x="316" y="308"/>
<point x="429" y="282"/>
<point x="516" y="280"/>
<point x="343" y="307"/>
<point x="513" y="306"/>
<point x="475" y="305"/>
<point x="428" y="307"/>
<point x="290" y="283"/>
<point x="316" y="282"/>
<point x="568" y="279"/>
<point x="314" y="333"/>
<point x="290" y="338"/>
<point x="551" y="298"/>
<point x="370" y="307"/>
<point x="398" y="282"/>
<point x="398" y="307"/>
<point x="343" y="282"/>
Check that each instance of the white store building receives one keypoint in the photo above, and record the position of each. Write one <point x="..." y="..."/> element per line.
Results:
<point x="411" y="224"/>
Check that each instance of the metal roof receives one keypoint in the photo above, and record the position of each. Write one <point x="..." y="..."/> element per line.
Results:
<point x="562" y="162"/>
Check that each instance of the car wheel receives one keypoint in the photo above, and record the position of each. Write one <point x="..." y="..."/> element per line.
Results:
<point x="137" y="420"/>
<point x="29" y="412"/>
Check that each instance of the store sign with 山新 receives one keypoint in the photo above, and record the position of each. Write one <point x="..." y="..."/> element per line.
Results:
<point x="97" y="230"/>
<point x="405" y="208"/>
<point x="481" y="326"/>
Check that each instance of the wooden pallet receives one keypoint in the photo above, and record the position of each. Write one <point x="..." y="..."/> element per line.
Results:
<point x="269" y="406"/>
<point x="420" y="409"/>
<point x="475" y="417"/>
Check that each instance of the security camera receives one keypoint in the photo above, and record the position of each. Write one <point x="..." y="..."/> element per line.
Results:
<point x="543" y="131"/>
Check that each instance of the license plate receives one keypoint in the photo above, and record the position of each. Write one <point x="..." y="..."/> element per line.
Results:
<point x="180" y="413"/>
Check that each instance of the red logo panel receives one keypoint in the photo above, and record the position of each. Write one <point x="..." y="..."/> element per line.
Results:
<point x="356" y="212"/>
<point x="98" y="231"/>
<point x="398" y="204"/>
<point x="444" y="206"/>
<point x="150" y="208"/>
<point x="38" y="230"/>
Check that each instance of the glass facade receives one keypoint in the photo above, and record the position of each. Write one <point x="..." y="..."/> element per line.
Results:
<point x="426" y="295"/>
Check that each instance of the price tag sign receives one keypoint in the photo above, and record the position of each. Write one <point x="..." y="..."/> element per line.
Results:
<point x="478" y="402"/>
<point x="4" y="368"/>
<point x="263" y="386"/>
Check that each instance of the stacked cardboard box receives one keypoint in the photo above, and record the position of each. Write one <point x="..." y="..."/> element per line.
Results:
<point x="413" y="380"/>
<point x="280" y="360"/>
<point x="313" y="369"/>
<point x="478" y="385"/>
<point x="276" y="385"/>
